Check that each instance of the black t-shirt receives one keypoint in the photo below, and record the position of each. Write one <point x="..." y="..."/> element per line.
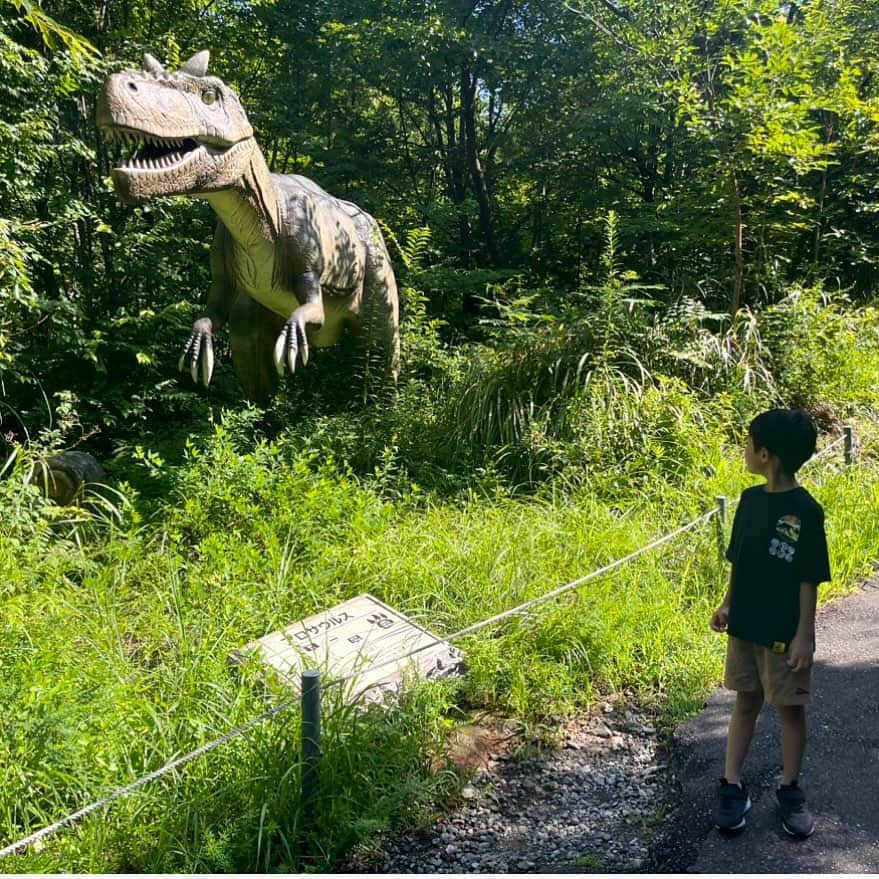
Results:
<point x="777" y="542"/>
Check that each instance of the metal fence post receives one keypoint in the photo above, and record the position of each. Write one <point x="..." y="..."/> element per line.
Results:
<point x="310" y="742"/>
<point x="848" y="443"/>
<point x="722" y="507"/>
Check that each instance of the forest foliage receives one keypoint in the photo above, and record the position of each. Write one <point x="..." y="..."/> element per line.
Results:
<point x="736" y="142"/>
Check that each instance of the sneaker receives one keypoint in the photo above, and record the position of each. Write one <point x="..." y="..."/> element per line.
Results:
<point x="733" y="803"/>
<point x="796" y="819"/>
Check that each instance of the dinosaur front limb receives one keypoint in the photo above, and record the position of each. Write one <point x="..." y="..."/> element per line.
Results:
<point x="199" y="350"/>
<point x="291" y="342"/>
<point x="293" y="339"/>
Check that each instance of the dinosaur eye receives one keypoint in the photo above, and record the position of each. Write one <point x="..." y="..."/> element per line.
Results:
<point x="209" y="96"/>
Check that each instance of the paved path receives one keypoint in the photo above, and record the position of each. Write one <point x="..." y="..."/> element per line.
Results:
<point x="840" y="776"/>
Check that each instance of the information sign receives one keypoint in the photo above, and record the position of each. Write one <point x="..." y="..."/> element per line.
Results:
<point x="363" y="638"/>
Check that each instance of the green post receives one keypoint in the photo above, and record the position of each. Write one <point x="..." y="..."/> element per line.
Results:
<point x="310" y="742"/>
<point x="848" y="443"/>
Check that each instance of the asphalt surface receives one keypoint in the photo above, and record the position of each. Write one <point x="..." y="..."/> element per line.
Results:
<point x="840" y="773"/>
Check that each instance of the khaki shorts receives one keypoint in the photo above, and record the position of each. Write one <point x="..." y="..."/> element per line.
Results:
<point x="752" y="667"/>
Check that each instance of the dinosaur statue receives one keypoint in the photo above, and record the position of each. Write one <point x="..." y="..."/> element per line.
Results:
<point x="291" y="266"/>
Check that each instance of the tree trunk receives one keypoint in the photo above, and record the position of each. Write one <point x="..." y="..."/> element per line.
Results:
<point x="477" y="173"/>
<point x="448" y="146"/>
<point x="738" y="213"/>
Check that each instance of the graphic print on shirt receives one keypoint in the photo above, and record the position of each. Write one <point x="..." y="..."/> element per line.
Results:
<point x="782" y="547"/>
<point x="789" y="528"/>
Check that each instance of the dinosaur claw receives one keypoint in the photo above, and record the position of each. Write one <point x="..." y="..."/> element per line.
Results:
<point x="303" y="343"/>
<point x="279" y="351"/>
<point x="207" y="364"/>
<point x="291" y="359"/>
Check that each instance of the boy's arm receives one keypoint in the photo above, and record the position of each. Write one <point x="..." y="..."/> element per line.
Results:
<point x="802" y="648"/>
<point x="720" y="619"/>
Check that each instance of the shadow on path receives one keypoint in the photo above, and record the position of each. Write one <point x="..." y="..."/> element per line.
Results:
<point x="839" y="776"/>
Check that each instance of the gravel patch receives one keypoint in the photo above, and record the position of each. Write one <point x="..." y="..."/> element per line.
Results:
<point x="586" y="805"/>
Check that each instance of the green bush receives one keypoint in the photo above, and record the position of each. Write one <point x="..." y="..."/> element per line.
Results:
<point x="824" y="353"/>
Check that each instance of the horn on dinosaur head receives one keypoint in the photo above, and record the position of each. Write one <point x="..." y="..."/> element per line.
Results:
<point x="152" y="66"/>
<point x="197" y="64"/>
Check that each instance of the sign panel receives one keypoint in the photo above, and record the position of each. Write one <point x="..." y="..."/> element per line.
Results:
<point x="362" y="638"/>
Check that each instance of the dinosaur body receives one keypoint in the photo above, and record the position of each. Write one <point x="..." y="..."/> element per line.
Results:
<point x="291" y="266"/>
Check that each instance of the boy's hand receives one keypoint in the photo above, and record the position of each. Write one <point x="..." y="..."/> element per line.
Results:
<point x="802" y="648"/>
<point x="720" y="619"/>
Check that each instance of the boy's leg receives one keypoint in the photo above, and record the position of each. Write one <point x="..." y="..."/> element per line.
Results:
<point x="742" y="676"/>
<point x="791" y="691"/>
<point x="741" y="731"/>
<point x="793" y="740"/>
<point x="733" y="800"/>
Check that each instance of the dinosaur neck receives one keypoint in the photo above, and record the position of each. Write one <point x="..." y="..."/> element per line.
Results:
<point x="249" y="209"/>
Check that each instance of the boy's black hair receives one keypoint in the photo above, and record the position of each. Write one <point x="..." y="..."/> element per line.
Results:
<point x="788" y="433"/>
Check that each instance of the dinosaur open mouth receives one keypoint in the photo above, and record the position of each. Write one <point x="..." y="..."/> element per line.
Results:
<point x="151" y="153"/>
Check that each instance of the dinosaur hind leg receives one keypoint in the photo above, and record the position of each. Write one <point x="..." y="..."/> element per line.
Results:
<point x="379" y="330"/>
<point x="253" y="330"/>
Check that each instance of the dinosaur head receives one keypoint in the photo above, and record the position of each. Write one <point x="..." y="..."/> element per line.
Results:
<point x="189" y="131"/>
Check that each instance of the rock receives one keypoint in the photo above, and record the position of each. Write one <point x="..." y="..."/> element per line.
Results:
<point x="68" y="477"/>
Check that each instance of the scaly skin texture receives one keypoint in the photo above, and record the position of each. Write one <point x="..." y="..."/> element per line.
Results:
<point x="291" y="266"/>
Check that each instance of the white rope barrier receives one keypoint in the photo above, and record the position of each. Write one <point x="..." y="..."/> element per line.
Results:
<point x="825" y="450"/>
<point x="28" y="841"/>
<point x="528" y="604"/>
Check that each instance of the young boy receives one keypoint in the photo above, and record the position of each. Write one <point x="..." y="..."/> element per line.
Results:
<point x="778" y="551"/>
